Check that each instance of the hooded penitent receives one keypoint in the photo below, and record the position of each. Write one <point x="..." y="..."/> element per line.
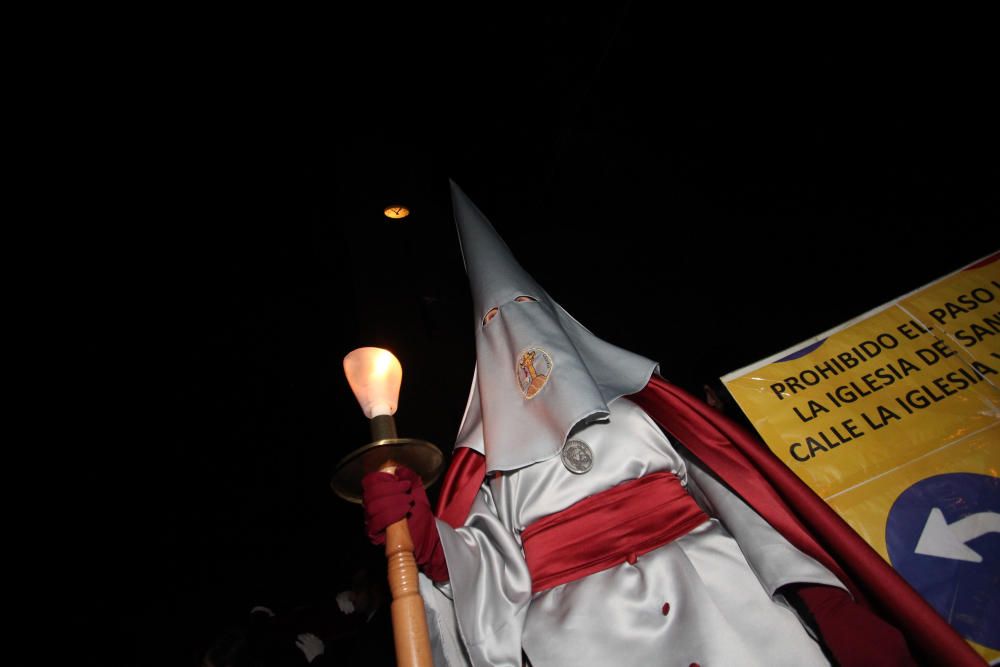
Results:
<point x="539" y="372"/>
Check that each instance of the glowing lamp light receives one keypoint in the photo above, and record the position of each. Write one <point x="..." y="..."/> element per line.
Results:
<point x="396" y="212"/>
<point x="375" y="376"/>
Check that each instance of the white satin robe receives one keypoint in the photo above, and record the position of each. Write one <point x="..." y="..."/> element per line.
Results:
<point x="720" y="590"/>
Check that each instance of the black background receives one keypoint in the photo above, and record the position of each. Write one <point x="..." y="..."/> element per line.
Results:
<point x="705" y="203"/>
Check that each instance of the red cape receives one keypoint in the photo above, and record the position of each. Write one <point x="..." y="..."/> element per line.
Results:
<point x="749" y="469"/>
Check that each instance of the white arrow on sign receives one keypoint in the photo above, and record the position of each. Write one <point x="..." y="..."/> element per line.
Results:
<point x="948" y="541"/>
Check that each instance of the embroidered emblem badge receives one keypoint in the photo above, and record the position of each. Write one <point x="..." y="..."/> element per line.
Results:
<point x="577" y="457"/>
<point x="533" y="368"/>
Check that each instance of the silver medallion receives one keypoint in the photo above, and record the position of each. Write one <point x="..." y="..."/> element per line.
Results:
<point x="577" y="457"/>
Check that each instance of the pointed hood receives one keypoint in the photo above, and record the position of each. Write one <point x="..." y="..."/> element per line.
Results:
<point x="539" y="373"/>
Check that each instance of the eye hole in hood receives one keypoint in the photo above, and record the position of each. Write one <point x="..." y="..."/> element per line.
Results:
<point x="494" y="310"/>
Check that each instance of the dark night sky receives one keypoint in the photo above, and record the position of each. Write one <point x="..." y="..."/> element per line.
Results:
<point x="706" y="207"/>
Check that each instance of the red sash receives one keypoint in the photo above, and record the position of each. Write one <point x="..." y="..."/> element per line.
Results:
<point x="609" y="528"/>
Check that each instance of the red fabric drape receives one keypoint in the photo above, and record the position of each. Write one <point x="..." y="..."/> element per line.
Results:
<point x="760" y="478"/>
<point x="461" y="484"/>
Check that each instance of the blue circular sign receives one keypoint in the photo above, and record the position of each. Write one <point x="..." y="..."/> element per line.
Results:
<point x="943" y="537"/>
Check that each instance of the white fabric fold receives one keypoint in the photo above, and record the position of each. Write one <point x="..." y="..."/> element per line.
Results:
<point x="489" y="583"/>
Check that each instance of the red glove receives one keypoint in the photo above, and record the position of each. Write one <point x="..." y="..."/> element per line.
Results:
<point x="389" y="498"/>
<point x="852" y="633"/>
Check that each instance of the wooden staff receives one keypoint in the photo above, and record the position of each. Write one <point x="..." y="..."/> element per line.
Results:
<point x="409" y="623"/>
